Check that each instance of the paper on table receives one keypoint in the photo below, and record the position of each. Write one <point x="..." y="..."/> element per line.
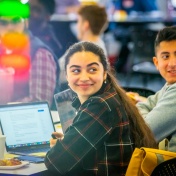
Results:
<point x="40" y="154"/>
<point x="55" y="116"/>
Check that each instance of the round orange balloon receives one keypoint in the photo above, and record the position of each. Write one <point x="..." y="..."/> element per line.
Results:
<point x="15" y="41"/>
<point x="18" y="62"/>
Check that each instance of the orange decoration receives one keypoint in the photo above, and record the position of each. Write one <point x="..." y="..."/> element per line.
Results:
<point x="15" y="41"/>
<point x="18" y="62"/>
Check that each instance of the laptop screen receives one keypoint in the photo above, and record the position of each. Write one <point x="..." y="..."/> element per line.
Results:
<point x="26" y="124"/>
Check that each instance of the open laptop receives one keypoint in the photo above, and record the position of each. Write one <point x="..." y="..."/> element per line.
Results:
<point x="27" y="127"/>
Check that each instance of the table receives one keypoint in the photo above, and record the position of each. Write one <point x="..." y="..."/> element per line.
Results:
<point x="29" y="170"/>
<point x="33" y="169"/>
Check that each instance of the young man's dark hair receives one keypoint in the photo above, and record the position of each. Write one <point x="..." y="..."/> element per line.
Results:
<point x="166" y="34"/>
<point x="96" y="16"/>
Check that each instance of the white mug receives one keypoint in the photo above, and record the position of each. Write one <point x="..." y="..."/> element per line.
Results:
<point x="2" y="146"/>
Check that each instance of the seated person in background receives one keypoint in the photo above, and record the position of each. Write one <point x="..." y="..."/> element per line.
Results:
<point x="92" y="20"/>
<point x="35" y="66"/>
<point x="41" y="11"/>
<point x="66" y="6"/>
<point x="159" y="110"/>
<point x="107" y="126"/>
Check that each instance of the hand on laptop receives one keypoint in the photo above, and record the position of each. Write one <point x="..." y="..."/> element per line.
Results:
<point x="58" y="136"/>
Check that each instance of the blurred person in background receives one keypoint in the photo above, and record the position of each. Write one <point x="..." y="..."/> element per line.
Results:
<point x="91" y="23"/>
<point x="35" y="66"/>
<point x="41" y="11"/>
<point x="66" y="6"/>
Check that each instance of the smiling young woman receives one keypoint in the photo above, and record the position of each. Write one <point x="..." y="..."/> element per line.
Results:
<point x="87" y="76"/>
<point x="107" y="126"/>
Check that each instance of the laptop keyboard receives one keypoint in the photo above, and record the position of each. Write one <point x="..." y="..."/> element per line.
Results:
<point x="36" y="150"/>
<point x="33" y="150"/>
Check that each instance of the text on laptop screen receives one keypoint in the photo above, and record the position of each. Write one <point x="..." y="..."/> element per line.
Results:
<point x="25" y="125"/>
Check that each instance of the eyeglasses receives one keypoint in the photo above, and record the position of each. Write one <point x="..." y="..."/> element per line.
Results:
<point x="13" y="21"/>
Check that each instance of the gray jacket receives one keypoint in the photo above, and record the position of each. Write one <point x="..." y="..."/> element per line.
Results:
<point x="159" y="112"/>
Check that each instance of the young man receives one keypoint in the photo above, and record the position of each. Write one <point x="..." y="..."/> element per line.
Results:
<point x="34" y="63"/>
<point x="92" y="20"/>
<point x="159" y="109"/>
<point x="91" y="23"/>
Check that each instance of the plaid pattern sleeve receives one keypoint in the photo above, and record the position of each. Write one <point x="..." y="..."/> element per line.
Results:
<point x="42" y="77"/>
<point x="98" y="141"/>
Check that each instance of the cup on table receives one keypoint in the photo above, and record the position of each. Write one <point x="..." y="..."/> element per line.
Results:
<point x="6" y="85"/>
<point x="2" y="146"/>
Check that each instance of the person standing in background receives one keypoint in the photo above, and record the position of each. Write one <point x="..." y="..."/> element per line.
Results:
<point x="41" y="11"/>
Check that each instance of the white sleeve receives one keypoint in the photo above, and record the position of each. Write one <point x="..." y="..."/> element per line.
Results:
<point x="162" y="118"/>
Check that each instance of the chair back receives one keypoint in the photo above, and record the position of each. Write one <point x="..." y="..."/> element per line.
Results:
<point x="141" y="91"/>
<point x="166" y="168"/>
<point x="143" y="44"/>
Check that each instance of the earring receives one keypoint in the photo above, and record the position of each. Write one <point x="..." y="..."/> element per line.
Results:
<point x="105" y="81"/>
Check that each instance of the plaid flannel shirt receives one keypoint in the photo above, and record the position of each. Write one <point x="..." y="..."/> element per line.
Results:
<point x="42" y="79"/>
<point x="99" y="140"/>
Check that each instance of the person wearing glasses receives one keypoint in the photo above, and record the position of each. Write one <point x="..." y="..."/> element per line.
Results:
<point x="34" y="63"/>
<point x="40" y="13"/>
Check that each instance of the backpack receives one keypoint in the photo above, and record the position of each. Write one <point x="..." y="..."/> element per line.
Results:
<point x="144" y="160"/>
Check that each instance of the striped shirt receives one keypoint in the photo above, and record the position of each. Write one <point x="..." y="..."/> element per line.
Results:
<point x="98" y="142"/>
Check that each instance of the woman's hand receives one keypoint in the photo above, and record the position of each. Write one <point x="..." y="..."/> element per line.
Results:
<point x="56" y="136"/>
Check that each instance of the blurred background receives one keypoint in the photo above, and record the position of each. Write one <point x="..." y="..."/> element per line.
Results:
<point x="128" y="38"/>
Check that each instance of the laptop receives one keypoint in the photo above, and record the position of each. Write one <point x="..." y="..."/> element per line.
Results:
<point x="66" y="112"/>
<point x="27" y="127"/>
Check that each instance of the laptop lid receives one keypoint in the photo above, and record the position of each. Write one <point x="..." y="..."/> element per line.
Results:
<point x="66" y="112"/>
<point x="26" y="125"/>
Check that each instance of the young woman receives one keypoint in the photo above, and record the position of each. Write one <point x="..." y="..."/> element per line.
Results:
<point x="107" y="126"/>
